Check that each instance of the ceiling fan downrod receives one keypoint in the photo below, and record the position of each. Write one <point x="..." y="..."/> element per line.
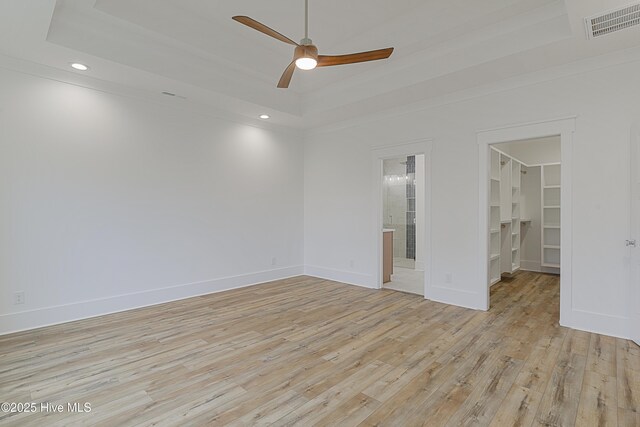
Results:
<point x="306" y="40"/>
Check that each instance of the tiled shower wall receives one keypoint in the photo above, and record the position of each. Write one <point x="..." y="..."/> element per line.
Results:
<point x="411" y="208"/>
<point x="400" y="205"/>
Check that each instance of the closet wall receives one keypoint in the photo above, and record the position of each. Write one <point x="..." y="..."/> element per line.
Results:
<point x="531" y="230"/>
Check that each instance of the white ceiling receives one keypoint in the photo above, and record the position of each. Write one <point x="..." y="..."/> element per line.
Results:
<point x="194" y="49"/>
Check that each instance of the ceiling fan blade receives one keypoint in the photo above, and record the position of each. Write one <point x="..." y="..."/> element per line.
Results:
<point x="372" y="55"/>
<point x="286" y="76"/>
<point x="263" y="29"/>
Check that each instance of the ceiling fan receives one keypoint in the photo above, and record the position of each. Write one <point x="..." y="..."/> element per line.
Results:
<point x="305" y="55"/>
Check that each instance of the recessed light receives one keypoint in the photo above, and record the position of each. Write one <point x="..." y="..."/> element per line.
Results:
<point x="265" y="116"/>
<point x="78" y="66"/>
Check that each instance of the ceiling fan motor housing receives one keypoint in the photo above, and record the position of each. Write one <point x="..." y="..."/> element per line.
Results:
<point x="306" y="51"/>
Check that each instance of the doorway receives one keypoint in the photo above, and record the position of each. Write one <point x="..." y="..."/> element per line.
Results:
<point x="403" y="216"/>
<point x="525" y="209"/>
<point x="554" y="215"/>
<point x="402" y="173"/>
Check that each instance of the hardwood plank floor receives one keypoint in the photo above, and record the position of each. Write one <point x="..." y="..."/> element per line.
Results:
<point x="306" y="351"/>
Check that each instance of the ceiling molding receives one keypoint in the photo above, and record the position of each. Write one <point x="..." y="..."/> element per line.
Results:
<point x="585" y="66"/>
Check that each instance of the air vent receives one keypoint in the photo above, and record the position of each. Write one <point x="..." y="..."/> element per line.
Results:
<point x="615" y="20"/>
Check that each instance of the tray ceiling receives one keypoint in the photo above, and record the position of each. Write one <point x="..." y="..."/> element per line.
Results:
<point x="194" y="49"/>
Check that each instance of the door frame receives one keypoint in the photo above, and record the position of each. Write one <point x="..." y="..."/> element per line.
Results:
<point x="565" y="127"/>
<point x="378" y="155"/>
<point x="634" y="228"/>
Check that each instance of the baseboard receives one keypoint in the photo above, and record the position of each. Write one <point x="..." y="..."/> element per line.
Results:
<point x="604" y="324"/>
<point x="550" y="270"/>
<point x="530" y="265"/>
<point x="31" y="319"/>
<point x="598" y="323"/>
<point x="348" y="277"/>
<point x="536" y="267"/>
<point x="452" y="296"/>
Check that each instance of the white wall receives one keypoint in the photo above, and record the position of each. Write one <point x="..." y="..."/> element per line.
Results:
<point x="110" y="203"/>
<point x="338" y="206"/>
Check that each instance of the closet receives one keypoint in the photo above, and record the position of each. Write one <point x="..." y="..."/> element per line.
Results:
<point x="524" y="216"/>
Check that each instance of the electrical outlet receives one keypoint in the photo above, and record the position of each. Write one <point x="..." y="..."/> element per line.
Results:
<point x="448" y="278"/>
<point x="18" y="298"/>
<point x="274" y="261"/>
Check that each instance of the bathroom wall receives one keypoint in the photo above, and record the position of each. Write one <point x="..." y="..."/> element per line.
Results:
<point x="395" y="203"/>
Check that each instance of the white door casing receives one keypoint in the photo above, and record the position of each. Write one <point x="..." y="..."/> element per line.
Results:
<point x="634" y="240"/>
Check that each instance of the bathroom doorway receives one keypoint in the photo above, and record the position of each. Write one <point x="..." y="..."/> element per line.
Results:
<point x="403" y="203"/>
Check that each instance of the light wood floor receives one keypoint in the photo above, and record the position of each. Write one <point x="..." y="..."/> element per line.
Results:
<point x="308" y="352"/>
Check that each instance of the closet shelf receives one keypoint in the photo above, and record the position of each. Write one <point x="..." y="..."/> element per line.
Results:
<point x="506" y="237"/>
<point x="506" y="205"/>
<point x="551" y="216"/>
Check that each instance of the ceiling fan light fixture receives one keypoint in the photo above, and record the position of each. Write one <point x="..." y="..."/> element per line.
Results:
<point x="306" y="55"/>
<point x="306" y="63"/>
